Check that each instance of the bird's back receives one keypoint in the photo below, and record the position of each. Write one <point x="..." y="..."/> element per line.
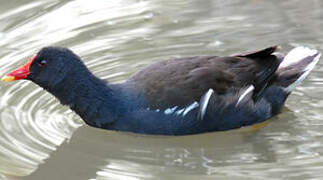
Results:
<point x="179" y="82"/>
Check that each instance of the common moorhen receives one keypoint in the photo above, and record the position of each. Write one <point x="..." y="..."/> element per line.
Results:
<point x="174" y="97"/>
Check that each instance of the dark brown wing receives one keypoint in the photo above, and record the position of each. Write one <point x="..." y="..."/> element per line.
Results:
<point x="267" y="66"/>
<point x="180" y="82"/>
<point x="262" y="53"/>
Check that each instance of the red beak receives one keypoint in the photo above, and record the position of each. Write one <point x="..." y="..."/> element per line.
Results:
<point x="20" y="73"/>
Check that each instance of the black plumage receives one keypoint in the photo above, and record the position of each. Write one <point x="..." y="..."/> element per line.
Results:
<point x="166" y="97"/>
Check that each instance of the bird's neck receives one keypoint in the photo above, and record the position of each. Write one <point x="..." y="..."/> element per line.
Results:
<point x="90" y="97"/>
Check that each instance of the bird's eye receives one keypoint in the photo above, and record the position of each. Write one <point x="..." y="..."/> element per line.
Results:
<point x="42" y="63"/>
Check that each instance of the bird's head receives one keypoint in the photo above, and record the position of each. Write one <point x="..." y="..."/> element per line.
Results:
<point x="48" y="67"/>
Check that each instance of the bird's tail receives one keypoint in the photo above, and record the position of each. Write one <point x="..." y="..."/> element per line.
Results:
<point x="296" y="65"/>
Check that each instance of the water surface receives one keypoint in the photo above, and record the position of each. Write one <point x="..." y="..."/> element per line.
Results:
<point x="40" y="139"/>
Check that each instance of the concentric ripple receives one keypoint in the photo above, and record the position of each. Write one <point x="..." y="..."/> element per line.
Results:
<point x="117" y="38"/>
<point x="33" y="124"/>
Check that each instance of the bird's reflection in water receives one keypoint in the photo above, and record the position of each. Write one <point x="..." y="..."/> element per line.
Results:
<point x="106" y="154"/>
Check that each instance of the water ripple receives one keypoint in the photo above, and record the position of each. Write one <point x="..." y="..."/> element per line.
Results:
<point x="117" y="38"/>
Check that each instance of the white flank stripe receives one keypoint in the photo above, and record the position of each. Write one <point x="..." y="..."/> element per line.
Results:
<point x="170" y="110"/>
<point x="244" y="94"/>
<point x="205" y="102"/>
<point x="179" y="111"/>
<point x="191" y="107"/>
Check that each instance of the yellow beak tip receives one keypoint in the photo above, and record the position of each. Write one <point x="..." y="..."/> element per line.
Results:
<point x="7" y="78"/>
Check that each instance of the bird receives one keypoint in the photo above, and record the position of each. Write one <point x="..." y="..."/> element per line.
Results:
<point x="181" y="96"/>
